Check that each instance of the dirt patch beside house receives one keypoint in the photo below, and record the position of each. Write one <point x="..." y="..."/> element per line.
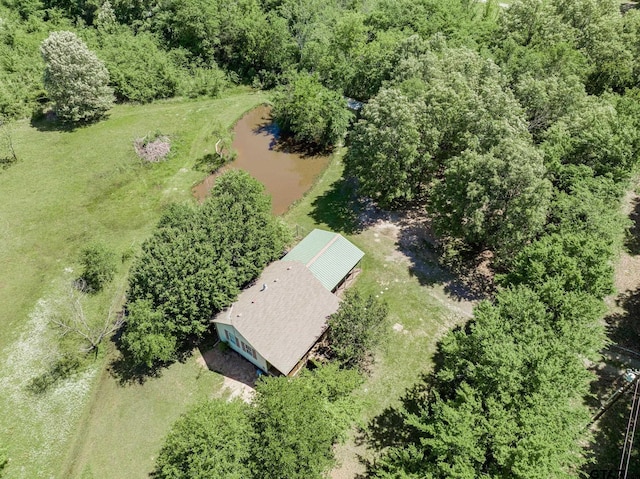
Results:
<point x="238" y="373"/>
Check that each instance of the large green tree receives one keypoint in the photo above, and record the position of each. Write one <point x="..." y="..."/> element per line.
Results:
<point x="498" y="199"/>
<point x="75" y="79"/>
<point x="199" y="259"/>
<point x="310" y="112"/>
<point x="211" y="440"/>
<point x="450" y="133"/>
<point x="298" y="420"/>
<point x="386" y="153"/>
<point x="507" y="400"/>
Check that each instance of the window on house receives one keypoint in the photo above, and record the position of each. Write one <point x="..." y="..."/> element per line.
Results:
<point x="249" y="350"/>
<point x="231" y="338"/>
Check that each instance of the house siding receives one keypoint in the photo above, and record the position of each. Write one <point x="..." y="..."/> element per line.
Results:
<point x="223" y="329"/>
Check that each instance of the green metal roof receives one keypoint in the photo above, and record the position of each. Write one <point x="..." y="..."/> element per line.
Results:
<point x="329" y="256"/>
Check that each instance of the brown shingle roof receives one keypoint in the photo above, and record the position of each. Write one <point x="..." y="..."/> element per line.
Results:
<point x="285" y="319"/>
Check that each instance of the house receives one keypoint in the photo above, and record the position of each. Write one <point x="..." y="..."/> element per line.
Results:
<point x="279" y="318"/>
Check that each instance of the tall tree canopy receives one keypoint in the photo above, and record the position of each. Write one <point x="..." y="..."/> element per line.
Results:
<point x="310" y="112"/>
<point x="498" y="199"/>
<point x="198" y="260"/>
<point x="451" y="134"/>
<point x="506" y="403"/>
<point x="210" y="440"/>
<point x="297" y="421"/>
<point x="75" y="79"/>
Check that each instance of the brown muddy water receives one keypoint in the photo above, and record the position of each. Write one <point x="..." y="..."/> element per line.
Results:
<point x="286" y="174"/>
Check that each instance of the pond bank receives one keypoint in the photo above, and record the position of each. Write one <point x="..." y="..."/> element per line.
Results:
<point x="286" y="174"/>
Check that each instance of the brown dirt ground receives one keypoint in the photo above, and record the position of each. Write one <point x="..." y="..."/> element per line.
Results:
<point x="239" y="374"/>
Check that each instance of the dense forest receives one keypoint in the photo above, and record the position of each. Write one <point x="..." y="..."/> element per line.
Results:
<point x="515" y="129"/>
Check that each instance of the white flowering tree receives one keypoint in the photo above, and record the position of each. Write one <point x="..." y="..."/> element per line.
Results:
<point x="75" y="79"/>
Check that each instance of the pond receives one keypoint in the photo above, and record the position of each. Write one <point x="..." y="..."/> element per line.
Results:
<point x="286" y="173"/>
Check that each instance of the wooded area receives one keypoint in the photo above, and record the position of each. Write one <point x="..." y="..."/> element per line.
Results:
<point x="515" y="130"/>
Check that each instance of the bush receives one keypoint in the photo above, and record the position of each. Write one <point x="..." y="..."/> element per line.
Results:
<point x="204" y="82"/>
<point x="99" y="266"/>
<point x="356" y="328"/>
<point x="139" y="70"/>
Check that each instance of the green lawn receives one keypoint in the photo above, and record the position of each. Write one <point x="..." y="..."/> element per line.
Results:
<point x="73" y="187"/>
<point x="69" y="188"/>
<point x="125" y="426"/>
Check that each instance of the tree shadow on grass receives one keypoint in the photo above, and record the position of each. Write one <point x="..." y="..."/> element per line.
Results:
<point x="392" y="428"/>
<point x="49" y="122"/>
<point x="126" y="370"/>
<point x="338" y="207"/>
<point x="632" y="241"/>
<point x="469" y="278"/>
<point x="604" y="452"/>
<point x="623" y="327"/>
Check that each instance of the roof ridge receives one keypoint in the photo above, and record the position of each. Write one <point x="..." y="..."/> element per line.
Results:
<point x="324" y="248"/>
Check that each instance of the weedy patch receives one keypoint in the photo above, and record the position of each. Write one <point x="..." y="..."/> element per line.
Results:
<point x="35" y="426"/>
<point x="152" y="148"/>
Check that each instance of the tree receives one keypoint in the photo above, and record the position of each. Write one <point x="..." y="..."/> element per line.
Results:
<point x="210" y="440"/>
<point x="139" y="70"/>
<point x="146" y="338"/>
<point x="596" y="135"/>
<point x="298" y="420"/>
<point x="196" y="263"/>
<point x="575" y="261"/>
<point x="507" y="400"/>
<point x="498" y="199"/>
<point x="99" y="266"/>
<point x="385" y="151"/>
<point x="356" y="328"/>
<point x="548" y="99"/>
<point x="192" y="25"/>
<point x="8" y="154"/>
<point x="75" y="79"/>
<point x="310" y="112"/>
<point x="442" y="102"/>
<point x="85" y="333"/>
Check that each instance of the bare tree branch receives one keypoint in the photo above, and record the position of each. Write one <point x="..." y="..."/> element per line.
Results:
<point x="70" y="319"/>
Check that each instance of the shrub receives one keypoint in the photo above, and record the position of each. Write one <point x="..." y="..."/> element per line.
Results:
<point x="356" y="328"/>
<point x="99" y="266"/>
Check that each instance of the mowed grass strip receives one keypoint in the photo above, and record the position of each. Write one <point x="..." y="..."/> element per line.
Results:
<point x="67" y="189"/>
<point x="125" y="426"/>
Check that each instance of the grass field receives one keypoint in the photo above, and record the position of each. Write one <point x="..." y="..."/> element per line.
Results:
<point x="69" y="188"/>
<point x="73" y="187"/>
